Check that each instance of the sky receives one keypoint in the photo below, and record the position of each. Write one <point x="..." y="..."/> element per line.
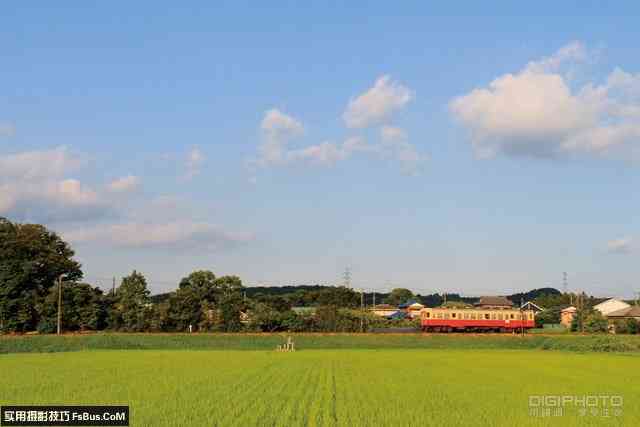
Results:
<point x="458" y="147"/>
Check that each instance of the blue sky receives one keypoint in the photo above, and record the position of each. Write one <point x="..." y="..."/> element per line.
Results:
<point x="463" y="148"/>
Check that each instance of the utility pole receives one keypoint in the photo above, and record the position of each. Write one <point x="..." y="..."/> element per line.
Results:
<point x="521" y="317"/>
<point x="113" y="288"/>
<point x="374" y="298"/>
<point x="361" y="310"/>
<point x="59" y="303"/>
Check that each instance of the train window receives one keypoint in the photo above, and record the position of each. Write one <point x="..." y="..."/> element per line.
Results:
<point x="512" y="316"/>
<point x="493" y="316"/>
<point x="453" y="315"/>
<point x="427" y="314"/>
<point x="473" y="316"/>
<point x="439" y="315"/>
<point x="486" y="316"/>
<point x="466" y="315"/>
<point x="446" y="315"/>
<point x="500" y="316"/>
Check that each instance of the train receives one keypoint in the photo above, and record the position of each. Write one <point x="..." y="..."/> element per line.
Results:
<point x="443" y="319"/>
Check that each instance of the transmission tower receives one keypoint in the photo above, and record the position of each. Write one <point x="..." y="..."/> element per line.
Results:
<point x="346" y="277"/>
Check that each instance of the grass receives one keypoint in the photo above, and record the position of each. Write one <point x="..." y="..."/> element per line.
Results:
<point x="103" y="341"/>
<point x="326" y="387"/>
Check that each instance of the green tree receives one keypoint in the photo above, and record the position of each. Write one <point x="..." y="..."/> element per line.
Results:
<point x="206" y="301"/>
<point x="31" y="260"/>
<point x="399" y="296"/>
<point x="339" y="296"/>
<point x="203" y="283"/>
<point x="265" y="318"/>
<point x="83" y="309"/>
<point x="595" y="322"/>
<point x="132" y="298"/>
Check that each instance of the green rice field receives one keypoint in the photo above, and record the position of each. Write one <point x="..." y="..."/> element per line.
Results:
<point x="329" y="387"/>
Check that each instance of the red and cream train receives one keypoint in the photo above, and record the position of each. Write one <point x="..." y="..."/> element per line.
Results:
<point x="475" y="320"/>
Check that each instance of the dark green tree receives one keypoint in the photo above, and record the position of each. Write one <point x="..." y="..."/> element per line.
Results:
<point x="83" y="309"/>
<point x="399" y="296"/>
<point x="339" y="296"/>
<point x="595" y="322"/>
<point x="132" y="301"/>
<point x="31" y="260"/>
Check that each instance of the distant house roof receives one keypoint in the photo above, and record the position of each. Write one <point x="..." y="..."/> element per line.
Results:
<point x="632" y="311"/>
<point x="497" y="300"/>
<point x="610" y="306"/>
<point x="408" y="303"/>
<point x="529" y="305"/>
<point x="397" y="315"/>
<point x="570" y="309"/>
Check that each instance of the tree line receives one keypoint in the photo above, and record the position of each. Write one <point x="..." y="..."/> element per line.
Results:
<point x="33" y="260"/>
<point x="37" y="267"/>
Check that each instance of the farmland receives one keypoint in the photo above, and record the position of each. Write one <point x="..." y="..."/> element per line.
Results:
<point x="346" y="387"/>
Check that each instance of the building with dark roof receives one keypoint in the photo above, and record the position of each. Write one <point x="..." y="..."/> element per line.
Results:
<point x="494" y="302"/>
<point x="631" y="312"/>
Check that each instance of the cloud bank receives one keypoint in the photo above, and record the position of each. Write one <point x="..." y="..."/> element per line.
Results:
<point x="537" y="113"/>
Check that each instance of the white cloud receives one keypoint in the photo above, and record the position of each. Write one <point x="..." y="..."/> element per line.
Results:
<point x="277" y="124"/>
<point x="277" y="130"/>
<point x="66" y="200"/>
<point x="194" y="162"/>
<point x="377" y="104"/>
<point x="124" y="185"/>
<point x="570" y="53"/>
<point x="7" y="130"/>
<point x="536" y="112"/>
<point x="622" y="245"/>
<point x="33" y="188"/>
<point x="181" y="234"/>
<point x="33" y="165"/>
<point x="395" y="145"/>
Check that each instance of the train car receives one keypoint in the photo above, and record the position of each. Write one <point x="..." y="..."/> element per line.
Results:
<point x="442" y="319"/>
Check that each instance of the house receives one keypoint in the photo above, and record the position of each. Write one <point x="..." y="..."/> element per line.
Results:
<point x="631" y="312"/>
<point x="412" y="308"/>
<point x="496" y="302"/>
<point x="383" y="310"/>
<point x="397" y="315"/>
<point x="532" y="306"/>
<point x="611" y="305"/>
<point x="567" y="315"/>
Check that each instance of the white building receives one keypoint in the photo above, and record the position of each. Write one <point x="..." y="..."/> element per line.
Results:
<point x="611" y="305"/>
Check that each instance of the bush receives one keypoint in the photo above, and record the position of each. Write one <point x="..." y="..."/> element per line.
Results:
<point x="596" y="322"/>
<point x="628" y="326"/>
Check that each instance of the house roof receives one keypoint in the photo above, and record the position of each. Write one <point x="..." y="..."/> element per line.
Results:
<point x="632" y="311"/>
<point x="397" y="315"/>
<point x="610" y="300"/>
<point x="408" y="303"/>
<point x="571" y="309"/>
<point x="495" y="300"/>
<point x="532" y="305"/>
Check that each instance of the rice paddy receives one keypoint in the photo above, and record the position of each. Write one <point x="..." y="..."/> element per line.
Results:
<point x="330" y="387"/>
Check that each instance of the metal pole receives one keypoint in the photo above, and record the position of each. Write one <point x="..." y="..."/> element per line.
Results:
<point x="59" y="303"/>
<point x="362" y="308"/>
